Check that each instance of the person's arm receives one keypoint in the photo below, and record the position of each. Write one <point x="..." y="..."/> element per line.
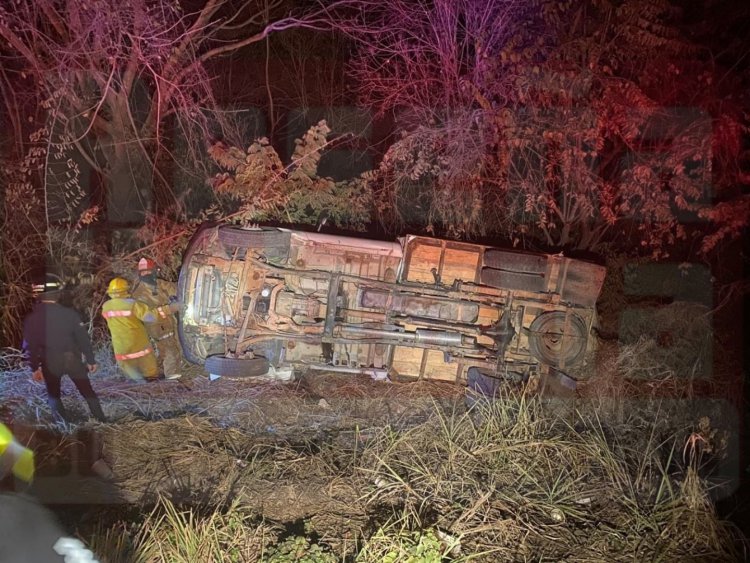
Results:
<point x="31" y="532"/>
<point x="34" y="344"/>
<point x="168" y="287"/>
<point x="169" y="309"/>
<point x="145" y="313"/>
<point x="168" y="291"/>
<point x="81" y="336"/>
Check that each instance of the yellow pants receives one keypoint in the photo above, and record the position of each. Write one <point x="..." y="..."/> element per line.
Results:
<point x="137" y="369"/>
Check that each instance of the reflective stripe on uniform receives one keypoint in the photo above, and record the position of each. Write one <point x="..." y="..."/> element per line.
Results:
<point x="134" y="355"/>
<point x="110" y="314"/>
<point x="165" y="336"/>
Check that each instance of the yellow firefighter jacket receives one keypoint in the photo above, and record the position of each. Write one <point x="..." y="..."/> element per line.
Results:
<point x="125" y="318"/>
<point x="157" y="298"/>
<point x="14" y="457"/>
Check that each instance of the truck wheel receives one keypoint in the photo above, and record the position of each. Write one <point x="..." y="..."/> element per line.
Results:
<point x="196" y="347"/>
<point x="234" y="367"/>
<point x="482" y="385"/>
<point x="254" y="238"/>
<point x="552" y="344"/>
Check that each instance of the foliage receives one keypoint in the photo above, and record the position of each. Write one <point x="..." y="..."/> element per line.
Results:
<point x="163" y="238"/>
<point x="731" y="217"/>
<point x="45" y="218"/>
<point x="175" y="535"/>
<point x="570" y="124"/>
<point x="391" y="545"/>
<point x="255" y="186"/>
<point x="260" y="188"/>
<point x="130" y="78"/>
<point x="298" y="549"/>
<point x="674" y="341"/>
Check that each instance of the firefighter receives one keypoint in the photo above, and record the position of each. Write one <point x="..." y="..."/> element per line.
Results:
<point x="159" y="295"/>
<point x="125" y="319"/>
<point x="56" y="339"/>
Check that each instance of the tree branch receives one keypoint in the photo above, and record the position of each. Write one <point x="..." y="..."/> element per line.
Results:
<point x="321" y="20"/>
<point x="254" y="20"/>
<point x="54" y="18"/>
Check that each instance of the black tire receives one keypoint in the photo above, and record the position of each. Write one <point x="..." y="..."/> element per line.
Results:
<point x="513" y="280"/>
<point x="233" y="367"/>
<point x="583" y="283"/>
<point x="549" y="345"/>
<point x="515" y="262"/>
<point x="254" y="238"/>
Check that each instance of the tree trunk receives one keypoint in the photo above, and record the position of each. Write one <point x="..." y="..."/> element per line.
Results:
<point x="130" y="185"/>
<point x="129" y="175"/>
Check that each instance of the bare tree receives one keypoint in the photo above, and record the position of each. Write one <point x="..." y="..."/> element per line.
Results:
<point x="427" y="63"/>
<point x="118" y="80"/>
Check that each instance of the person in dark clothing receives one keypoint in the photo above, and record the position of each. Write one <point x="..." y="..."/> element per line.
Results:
<point x="56" y="339"/>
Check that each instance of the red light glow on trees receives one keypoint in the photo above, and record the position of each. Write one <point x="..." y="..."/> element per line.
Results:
<point x="574" y="124"/>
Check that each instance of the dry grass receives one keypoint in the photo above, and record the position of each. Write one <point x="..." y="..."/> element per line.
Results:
<point x="177" y="535"/>
<point x="25" y="400"/>
<point x="522" y="486"/>
<point x="506" y="481"/>
<point x="678" y="338"/>
<point x="382" y="472"/>
<point x="333" y="386"/>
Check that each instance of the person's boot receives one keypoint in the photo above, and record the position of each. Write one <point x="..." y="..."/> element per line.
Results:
<point x="58" y="409"/>
<point x="96" y="409"/>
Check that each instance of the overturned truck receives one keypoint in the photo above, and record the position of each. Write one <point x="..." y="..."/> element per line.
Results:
<point x="262" y="300"/>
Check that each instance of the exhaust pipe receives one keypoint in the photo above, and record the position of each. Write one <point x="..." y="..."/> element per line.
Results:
<point x="421" y="336"/>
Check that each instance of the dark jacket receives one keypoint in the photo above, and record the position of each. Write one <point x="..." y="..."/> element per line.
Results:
<point x="51" y="332"/>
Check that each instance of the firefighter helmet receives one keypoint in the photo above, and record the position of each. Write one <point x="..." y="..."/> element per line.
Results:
<point x="118" y="287"/>
<point x="49" y="284"/>
<point x="146" y="264"/>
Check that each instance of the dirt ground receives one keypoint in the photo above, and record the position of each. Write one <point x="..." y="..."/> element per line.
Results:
<point x="204" y="443"/>
<point x="286" y="451"/>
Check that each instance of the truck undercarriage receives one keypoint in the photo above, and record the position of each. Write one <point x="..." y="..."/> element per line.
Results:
<point x="426" y="308"/>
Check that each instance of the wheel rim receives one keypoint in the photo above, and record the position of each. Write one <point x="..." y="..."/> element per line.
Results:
<point x="555" y="341"/>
